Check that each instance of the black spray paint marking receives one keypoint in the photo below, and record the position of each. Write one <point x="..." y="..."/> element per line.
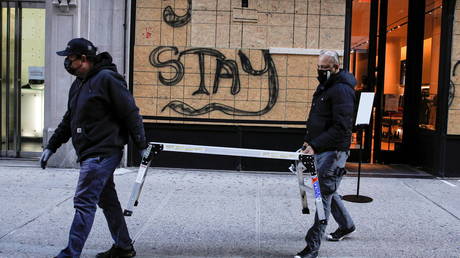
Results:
<point x="452" y="85"/>
<point x="173" y="20"/>
<point x="177" y="65"/>
<point x="225" y="69"/>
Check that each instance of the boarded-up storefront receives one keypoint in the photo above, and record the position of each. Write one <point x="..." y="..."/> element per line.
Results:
<point x="246" y="74"/>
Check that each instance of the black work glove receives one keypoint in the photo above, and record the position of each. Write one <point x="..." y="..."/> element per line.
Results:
<point x="46" y="154"/>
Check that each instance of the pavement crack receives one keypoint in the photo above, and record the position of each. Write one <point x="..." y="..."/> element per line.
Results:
<point x="46" y="211"/>
<point x="258" y="202"/>
<point x="155" y="213"/>
<point x="430" y="200"/>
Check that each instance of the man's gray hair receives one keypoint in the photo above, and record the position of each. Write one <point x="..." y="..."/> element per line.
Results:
<point x="333" y="56"/>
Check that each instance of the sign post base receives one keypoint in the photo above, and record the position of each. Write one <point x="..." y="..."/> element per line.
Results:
<point x="357" y="198"/>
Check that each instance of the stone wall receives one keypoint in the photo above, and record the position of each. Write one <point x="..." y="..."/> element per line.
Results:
<point x="454" y="109"/>
<point x="214" y="59"/>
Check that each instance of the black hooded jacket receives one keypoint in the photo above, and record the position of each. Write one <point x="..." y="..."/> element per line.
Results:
<point x="101" y="113"/>
<point x="330" y="121"/>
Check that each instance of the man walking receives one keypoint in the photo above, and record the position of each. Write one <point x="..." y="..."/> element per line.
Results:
<point x="100" y="115"/>
<point x="328" y="137"/>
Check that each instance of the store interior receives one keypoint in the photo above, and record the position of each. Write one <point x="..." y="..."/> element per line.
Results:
<point x="395" y="66"/>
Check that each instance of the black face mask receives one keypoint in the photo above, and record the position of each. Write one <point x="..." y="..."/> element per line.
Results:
<point x="68" y="66"/>
<point x="323" y="76"/>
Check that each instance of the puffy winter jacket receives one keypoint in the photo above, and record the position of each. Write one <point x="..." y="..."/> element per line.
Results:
<point x="101" y="113"/>
<point x="330" y="121"/>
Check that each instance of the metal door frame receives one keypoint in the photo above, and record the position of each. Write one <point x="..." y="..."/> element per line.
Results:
<point x="13" y="148"/>
<point x="10" y="149"/>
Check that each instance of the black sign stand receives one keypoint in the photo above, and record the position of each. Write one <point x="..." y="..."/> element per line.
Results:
<point x="358" y="198"/>
<point x="362" y="120"/>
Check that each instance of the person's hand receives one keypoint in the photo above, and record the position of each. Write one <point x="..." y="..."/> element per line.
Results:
<point x="46" y="154"/>
<point x="307" y="149"/>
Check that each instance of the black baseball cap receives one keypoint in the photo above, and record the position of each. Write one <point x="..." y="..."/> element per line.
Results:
<point x="79" y="46"/>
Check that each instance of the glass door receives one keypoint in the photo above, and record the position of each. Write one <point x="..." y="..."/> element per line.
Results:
<point x="394" y="76"/>
<point x="22" y="78"/>
<point x="363" y="49"/>
<point x="32" y="74"/>
<point x="390" y="80"/>
<point x="9" y="90"/>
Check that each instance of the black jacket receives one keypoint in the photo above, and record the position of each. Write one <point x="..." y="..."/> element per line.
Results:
<point x="101" y="113"/>
<point x="331" y="115"/>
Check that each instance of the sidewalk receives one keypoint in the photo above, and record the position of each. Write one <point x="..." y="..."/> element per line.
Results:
<point x="207" y="213"/>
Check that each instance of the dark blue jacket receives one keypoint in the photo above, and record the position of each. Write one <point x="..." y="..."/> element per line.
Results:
<point x="101" y="113"/>
<point x="330" y="121"/>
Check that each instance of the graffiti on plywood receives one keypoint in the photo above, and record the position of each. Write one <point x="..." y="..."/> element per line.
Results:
<point x="225" y="69"/>
<point x="174" y="20"/>
<point x="452" y="85"/>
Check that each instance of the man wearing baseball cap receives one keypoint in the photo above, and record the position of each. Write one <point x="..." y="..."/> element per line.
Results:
<point x="101" y="115"/>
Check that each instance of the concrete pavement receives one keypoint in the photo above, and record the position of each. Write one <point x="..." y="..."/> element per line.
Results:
<point x="207" y="213"/>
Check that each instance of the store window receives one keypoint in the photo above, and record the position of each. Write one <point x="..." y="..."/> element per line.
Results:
<point x="431" y="50"/>
<point x="32" y="78"/>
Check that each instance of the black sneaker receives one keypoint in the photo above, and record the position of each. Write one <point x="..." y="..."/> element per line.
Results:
<point x="307" y="253"/>
<point x="117" y="252"/>
<point x="340" y="234"/>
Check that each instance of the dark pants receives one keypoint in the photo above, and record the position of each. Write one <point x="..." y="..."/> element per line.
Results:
<point x="330" y="166"/>
<point x="96" y="187"/>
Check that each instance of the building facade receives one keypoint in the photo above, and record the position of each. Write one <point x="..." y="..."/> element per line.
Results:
<point x="241" y="73"/>
<point x="230" y="73"/>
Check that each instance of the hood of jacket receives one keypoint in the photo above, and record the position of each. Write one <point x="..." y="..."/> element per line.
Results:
<point x="102" y="61"/>
<point x="344" y="77"/>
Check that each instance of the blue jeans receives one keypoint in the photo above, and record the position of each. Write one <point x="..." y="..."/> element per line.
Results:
<point x="331" y="168"/>
<point x="96" y="187"/>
